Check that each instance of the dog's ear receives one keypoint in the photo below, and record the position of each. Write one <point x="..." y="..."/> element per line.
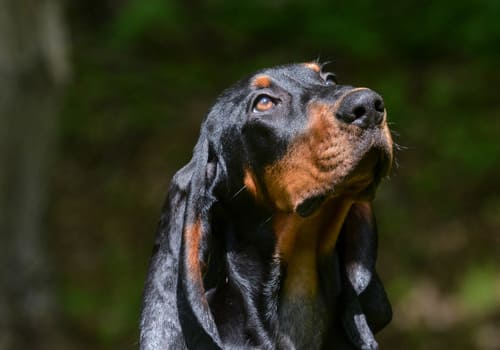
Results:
<point x="175" y="312"/>
<point x="360" y="253"/>
<point x="367" y="308"/>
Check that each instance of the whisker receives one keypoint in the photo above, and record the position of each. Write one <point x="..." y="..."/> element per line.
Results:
<point x="266" y="221"/>
<point x="238" y="192"/>
<point x="396" y="163"/>
<point x="400" y="147"/>
<point x="395" y="133"/>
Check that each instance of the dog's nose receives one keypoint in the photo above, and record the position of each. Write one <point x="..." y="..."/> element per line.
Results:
<point x="364" y="108"/>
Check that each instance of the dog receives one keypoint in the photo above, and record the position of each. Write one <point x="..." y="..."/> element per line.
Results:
<point x="267" y="239"/>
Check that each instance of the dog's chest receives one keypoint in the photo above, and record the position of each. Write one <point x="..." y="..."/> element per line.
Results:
<point x="304" y="308"/>
<point x="303" y="322"/>
<point x="303" y="313"/>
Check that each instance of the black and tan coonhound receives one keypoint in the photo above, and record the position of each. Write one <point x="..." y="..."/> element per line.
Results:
<point x="267" y="239"/>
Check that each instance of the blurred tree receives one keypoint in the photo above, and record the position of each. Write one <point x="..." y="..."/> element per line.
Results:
<point x="33" y="68"/>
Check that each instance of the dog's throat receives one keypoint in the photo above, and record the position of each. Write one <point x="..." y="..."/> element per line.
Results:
<point x="302" y="240"/>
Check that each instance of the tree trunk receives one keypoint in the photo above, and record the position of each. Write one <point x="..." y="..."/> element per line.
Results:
<point x="33" y="69"/>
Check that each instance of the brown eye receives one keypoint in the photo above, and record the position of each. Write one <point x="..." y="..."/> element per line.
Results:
<point x="263" y="103"/>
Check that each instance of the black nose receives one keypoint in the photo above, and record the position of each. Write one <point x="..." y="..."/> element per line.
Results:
<point x="364" y="108"/>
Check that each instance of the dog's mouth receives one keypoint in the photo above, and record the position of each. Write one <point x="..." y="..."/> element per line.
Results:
<point x="360" y="184"/>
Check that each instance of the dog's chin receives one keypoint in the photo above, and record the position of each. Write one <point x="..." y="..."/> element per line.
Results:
<point x="359" y="185"/>
<point x="310" y="205"/>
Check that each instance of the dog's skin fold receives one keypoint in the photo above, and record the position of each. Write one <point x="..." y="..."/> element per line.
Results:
<point x="267" y="239"/>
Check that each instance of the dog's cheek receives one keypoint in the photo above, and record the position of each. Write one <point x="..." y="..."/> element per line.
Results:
<point x="263" y="143"/>
<point x="289" y="181"/>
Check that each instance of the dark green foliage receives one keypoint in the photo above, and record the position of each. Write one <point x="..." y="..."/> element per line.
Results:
<point x="145" y="73"/>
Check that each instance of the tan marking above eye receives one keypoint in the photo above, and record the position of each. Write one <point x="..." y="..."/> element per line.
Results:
<point x="313" y="65"/>
<point x="264" y="103"/>
<point x="262" y="82"/>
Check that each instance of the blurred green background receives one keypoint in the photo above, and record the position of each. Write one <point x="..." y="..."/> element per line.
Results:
<point x="143" y="75"/>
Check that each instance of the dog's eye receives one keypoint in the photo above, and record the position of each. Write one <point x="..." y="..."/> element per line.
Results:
<point x="330" y="79"/>
<point x="263" y="103"/>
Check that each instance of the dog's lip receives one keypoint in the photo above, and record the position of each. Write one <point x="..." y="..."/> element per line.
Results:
<point x="360" y="184"/>
<point x="383" y="167"/>
<point x="372" y="167"/>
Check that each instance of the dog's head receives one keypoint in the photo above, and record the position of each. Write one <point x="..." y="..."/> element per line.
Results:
<point x="294" y="139"/>
<point x="306" y="138"/>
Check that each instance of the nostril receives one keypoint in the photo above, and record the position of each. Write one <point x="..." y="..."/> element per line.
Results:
<point x="359" y="112"/>
<point x="379" y="105"/>
<point x="364" y="108"/>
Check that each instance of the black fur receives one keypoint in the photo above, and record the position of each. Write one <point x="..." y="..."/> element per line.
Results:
<point x="237" y="304"/>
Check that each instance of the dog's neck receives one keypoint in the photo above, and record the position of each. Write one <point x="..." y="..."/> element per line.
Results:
<point x="297" y="242"/>
<point x="302" y="241"/>
<point x="284" y="251"/>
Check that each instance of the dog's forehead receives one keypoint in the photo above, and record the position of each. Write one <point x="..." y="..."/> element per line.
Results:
<point x="293" y="74"/>
<point x="232" y="103"/>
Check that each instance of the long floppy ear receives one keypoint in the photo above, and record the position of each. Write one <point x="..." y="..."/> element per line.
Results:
<point x="367" y="308"/>
<point x="175" y="311"/>
<point x="360" y="251"/>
